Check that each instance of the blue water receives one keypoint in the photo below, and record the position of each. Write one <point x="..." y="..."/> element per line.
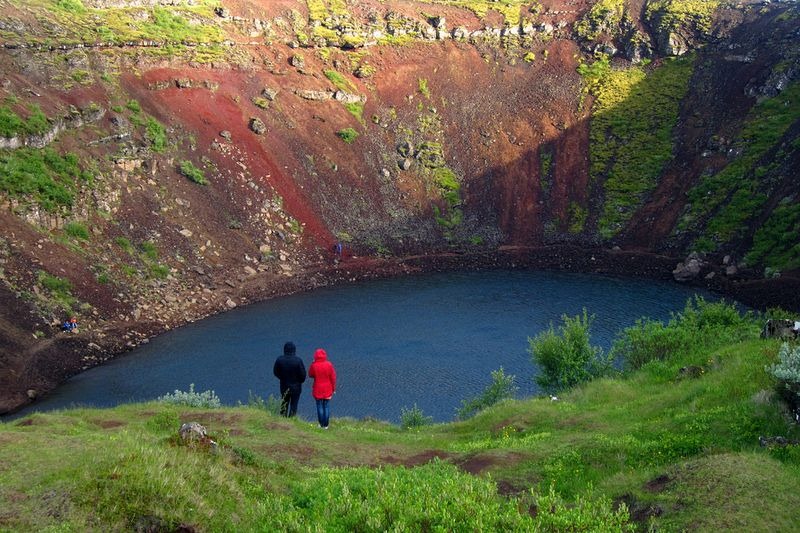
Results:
<point x="430" y="340"/>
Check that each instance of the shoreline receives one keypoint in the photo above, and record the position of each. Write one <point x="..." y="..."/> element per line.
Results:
<point x="64" y="355"/>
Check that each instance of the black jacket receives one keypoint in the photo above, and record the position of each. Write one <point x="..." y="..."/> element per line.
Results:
<point x="290" y="370"/>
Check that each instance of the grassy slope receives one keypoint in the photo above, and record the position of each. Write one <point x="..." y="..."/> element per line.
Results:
<point x="119" y="467"/>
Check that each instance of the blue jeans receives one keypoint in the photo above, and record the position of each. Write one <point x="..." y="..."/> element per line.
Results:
<point x="323" y="412"/>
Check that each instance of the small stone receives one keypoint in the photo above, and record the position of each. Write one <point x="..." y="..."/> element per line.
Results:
<point x="225" y="134"/>
<point x="250" y="270"/>
<point x="185" y="232"/>
<point x="32" y="394"/>
<point x="257" y="126"/>
<point x="230" y="304"/>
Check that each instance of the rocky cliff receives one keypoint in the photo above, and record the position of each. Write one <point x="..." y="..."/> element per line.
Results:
<point x="164" y="160"/>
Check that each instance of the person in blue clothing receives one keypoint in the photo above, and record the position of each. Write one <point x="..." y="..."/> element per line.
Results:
<point x="291" y="372"/>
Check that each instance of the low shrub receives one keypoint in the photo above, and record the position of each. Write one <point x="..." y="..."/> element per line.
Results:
<point x="271" y="405"/>
<point x="414" y="418"/>
<point x="76" y="230"/>
<point x="348" y="135"/>
<point x="156" y="133"/>
<point x="566" y="357"/>
<point x="190" y="398"/>
<point x="503" y="386"/>
<point x="193" y="173"/>
<point x="701" y="325"/>
<point x="787" y="372"/>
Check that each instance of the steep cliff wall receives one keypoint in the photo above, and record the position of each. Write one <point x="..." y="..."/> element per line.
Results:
<point x="161" y="161"/>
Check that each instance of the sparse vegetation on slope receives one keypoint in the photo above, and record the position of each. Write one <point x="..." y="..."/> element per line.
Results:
<point x="722" y="204"/>
<point x="633" y="116"/>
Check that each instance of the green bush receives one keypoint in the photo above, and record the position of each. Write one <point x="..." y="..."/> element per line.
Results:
<point x="586" y="514"/>
<point x="134" y="106"/>
<point x="76" y="230"/>
<point x="124" y="243"/>
<point x="271" y="405"/>
<point x="194" y="174"/>
<point x="701" y="325"/>
<point x="414" y="418"/>
<point x="190" y="398"/>
<point x="502" y="387"/>
<point x="156" y="133"/>
<point x="348" y="135"/>
<point x="566" y="358"/>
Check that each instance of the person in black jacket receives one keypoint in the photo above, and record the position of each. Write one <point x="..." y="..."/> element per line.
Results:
<point x="292" y="372"/>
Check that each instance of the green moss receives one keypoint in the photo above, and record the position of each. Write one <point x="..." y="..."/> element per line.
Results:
<point x="348" y="135"/>
<point x="670" y="15"/>
<point x="356" y="109"/>
<point x="605" y="16"/>
<point x="59" y="290"/>
<point x="261" y="102"/>
<point x="339" y="81"/>
<point x="631" y="132"/>
<point x="577" y="218"/>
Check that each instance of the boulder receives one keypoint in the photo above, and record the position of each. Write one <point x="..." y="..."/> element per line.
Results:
<point x="257" y="126"/>
<point x="782" y="328"/>
<point x="690" y="268"/>
<point x="193" y="432"/>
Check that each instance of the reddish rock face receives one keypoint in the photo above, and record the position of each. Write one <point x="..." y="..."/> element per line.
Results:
<point x="445" y="141"/>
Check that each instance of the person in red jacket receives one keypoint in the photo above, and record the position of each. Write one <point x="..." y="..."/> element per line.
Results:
<point x="324" y="375"/>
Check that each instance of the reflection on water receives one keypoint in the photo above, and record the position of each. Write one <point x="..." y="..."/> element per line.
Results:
<point x="429" y="340"/>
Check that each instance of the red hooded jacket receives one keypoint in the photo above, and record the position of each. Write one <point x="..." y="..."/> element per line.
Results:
<point x="324" y="376"/>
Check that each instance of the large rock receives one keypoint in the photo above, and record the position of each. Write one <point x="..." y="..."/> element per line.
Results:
<point x="690" y="268"/>
<point x="782" y="328"/>
<point x="193" y="432"/>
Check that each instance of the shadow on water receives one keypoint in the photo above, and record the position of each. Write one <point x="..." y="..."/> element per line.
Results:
<point x="429" y="340"/>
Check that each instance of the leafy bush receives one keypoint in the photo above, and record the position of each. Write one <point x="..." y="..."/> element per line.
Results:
<point x="207" y="399"/>
<point x="414" y="418"/>
<point x="645" y="341"/>
<point x="134" y="106"/>
<point x="271" y="405"/>
<point x="701" y="325"/>
<point x="586" y="514"/>
<point x="566" y="358"/>
<point x="348" y="135"/>
<point x="124" y="243"/>
<point x="193" y="173"/>
<point x="502" y="387"/>
<point x="787" y="372"/>
<point x="76" y="230"/>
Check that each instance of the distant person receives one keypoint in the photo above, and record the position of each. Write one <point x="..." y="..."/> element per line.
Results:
<point x="70" y="325"/>
<point x="291" y="372"/>
<point x="324" y="375"/>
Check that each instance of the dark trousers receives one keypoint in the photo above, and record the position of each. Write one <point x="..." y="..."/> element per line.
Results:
<point x="323" y="412"/>
<point x="290" y="395"/>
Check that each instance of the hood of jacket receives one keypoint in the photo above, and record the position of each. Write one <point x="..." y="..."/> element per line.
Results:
<point x="320" y="355"/>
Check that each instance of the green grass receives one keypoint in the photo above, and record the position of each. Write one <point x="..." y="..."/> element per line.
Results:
<point x="42" y="177"/>
<point x="156" y="134"/>
<point x="12" y="124"/>
<point x="192" y="173"/>
<point x="77" y="230"/>
<point x="634" y="113"/>
<point x="776" y="244"/>
<point x="688" y="445"/>
<point x="58" y="289"/>
<point x="723" y="204"/>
